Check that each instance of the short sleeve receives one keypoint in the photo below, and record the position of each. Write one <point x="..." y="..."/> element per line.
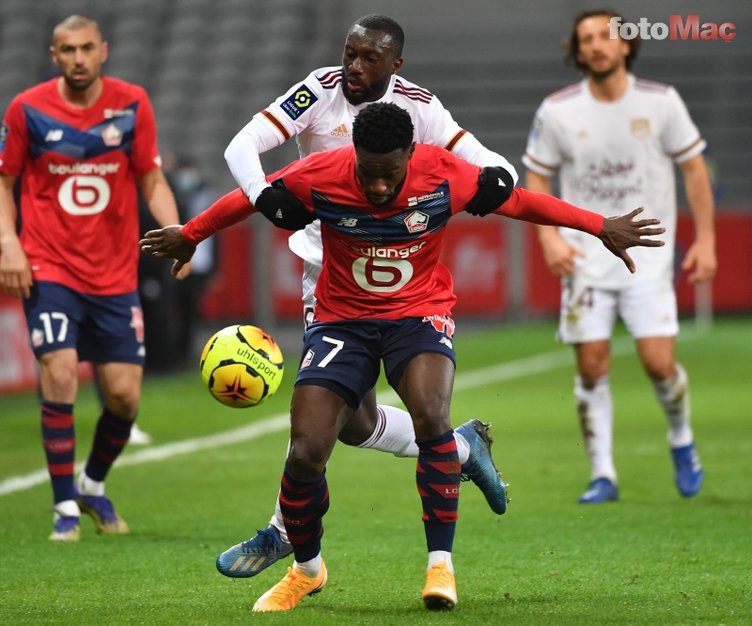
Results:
<point x="295" y="110"/>
<point x="542" y="153"/>
<point x="145" y="154"/>
<point x="680" y="138"/>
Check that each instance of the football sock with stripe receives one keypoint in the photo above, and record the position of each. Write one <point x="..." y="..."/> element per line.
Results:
<point x="59" y="441"/>
<point x="110" y="437"/>
<point x="303" y="504"/>
<point x="438" y="481"/>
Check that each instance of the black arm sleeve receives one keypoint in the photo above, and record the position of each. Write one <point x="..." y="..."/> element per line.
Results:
<point x="282" y="209"/>
<point x="495" y="185"/>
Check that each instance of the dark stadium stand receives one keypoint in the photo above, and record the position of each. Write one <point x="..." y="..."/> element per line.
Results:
<point x="210" y="65"/>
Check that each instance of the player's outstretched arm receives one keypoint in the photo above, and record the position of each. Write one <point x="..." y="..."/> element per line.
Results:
<point x="179" y="242"/>
<point x="622" y="232"/>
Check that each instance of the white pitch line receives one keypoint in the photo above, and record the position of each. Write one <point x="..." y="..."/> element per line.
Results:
<point x="465" y="380"/>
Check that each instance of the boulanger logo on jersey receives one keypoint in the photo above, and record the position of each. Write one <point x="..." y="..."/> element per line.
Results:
<point x="84" y="195"/>
<point x="84" y="191"/>
<point x="298" y="102"/>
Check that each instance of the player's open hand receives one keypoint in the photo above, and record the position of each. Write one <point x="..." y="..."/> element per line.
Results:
<point x="622" y="232"/>
<point x="168" y="243"/>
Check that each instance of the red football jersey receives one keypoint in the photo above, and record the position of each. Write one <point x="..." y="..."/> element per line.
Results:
<point x="382" y="262"/>
<point x="78" y="168"/>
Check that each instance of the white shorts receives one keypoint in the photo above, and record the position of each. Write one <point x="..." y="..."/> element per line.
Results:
<point x="588" y="313"/>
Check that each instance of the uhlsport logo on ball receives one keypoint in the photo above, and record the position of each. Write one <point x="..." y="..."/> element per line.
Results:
<point x="241" y="366"/>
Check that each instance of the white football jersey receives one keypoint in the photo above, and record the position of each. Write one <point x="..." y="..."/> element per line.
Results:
<point x="319" y="116"/>
<point x="613" y="157"/>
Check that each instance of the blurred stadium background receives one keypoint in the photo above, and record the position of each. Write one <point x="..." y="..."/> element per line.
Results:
<point x="209" y="65"/>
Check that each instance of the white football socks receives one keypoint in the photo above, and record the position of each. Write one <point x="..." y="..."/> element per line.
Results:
<point x="310" y="568"/>
<point x="596" y="413"/>
<point x="67" y="508"/>
<point x="440" y="556"/>
<point x="673" y="394"/>
<point x="278" y="522"/>
<point x="89" y="487"/>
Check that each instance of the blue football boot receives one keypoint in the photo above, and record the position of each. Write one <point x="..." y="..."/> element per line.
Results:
<point x="599" y="491"/>
<point x="688" y="472"/>
<point x="480" y="467"/>
<point x="250" y="557"/>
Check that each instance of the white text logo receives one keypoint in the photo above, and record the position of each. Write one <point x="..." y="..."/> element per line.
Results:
<point x="677" y="28"/>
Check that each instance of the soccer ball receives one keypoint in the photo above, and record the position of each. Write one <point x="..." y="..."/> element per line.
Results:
<point x="241" y="366"/>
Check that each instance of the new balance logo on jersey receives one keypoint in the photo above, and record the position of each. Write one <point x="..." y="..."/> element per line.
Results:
<point x="348" y="222"/>
<point x="54" y="135"/>
<point x="340" y="131"/>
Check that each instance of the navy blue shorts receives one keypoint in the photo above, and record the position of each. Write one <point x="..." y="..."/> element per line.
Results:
<point x="104" y="329"/>
<point x="346" y="357"/>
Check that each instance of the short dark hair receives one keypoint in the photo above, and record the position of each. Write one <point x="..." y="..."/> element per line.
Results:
<point x="75" y="22"/>
<point x="382" y="127"/>
<point x="384" y="24"/>
<point x="572" y="43"/>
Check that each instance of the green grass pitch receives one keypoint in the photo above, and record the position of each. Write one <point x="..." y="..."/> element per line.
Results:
<point x="211" y="477"/>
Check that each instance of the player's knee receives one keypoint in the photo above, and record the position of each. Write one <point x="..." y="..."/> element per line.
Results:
<point x="307" y="459"/>
<point x="429" y="425"/>
<point x="304" y="468"/>
<point x="661" y="370"/>
<point x="591" y="371"/>
<point x="59" y="381"/>
<point x="122" y="402"/>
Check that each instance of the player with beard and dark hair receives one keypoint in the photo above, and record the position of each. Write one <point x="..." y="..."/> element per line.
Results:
<point x="614" y="139"/>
